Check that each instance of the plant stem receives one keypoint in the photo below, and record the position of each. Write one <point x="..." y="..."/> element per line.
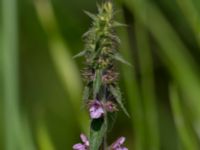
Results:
<point x="105" y="142"/>
<point x="10" y="72"/>
<point x="187" y="137"/>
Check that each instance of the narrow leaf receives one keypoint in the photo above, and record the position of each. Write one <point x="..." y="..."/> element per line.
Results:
<point x="111" y="117"/>
<point x="187" y="136"/>
<point x="86" y="33"/>
<point x="96" y="83"/>
<point x="118" y="24"/>
<point x="115" y="37"/>
<point x="117" y="94"/>
<point x="97" y="132"/>
<point x="92" y="16"/>
<point x="118" y="57"/>
<point x="99" y="8"/>
<point x="82" y="53"/>
<point x="86" y="94"/>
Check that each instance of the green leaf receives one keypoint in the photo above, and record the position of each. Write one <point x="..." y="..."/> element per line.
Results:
<point x="96" y="83"/>
<point x="115" y="37"/>
<point x="187" y="136"/>
<point x="97" y="132"/>
<point x="92" y="16"/>
<point x="117" y="94"/>
<point x="118" y="24"/>
<point x="82" y="53"/>
<point x="86" y="94"/>
<point x="87" y="33"/>
<point x="118" y="57"/>
<point x="95" y="54"/>
<point x="99" y="8"/>
<point x="111" y="117"/>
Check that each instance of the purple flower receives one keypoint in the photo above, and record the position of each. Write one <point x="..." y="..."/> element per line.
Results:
<point x="118" y="145"/>
<point x="96" y="109"/>
<point x="80" y="146"/>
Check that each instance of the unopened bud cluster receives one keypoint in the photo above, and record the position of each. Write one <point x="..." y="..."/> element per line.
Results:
<point x="100" y="48"/>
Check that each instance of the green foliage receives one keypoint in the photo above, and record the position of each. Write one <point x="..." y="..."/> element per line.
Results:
<point x="86" y="94"/>
<point x="148" y="88"/>
<point x="98" y="130"/>
<point x="97" y="83"/>
<point x="39" y="78"/>
<point x="119" y="58"/>
<point x="82" y="53"/>
<point x="186" y="134"/>
<point x="117" y="94"/>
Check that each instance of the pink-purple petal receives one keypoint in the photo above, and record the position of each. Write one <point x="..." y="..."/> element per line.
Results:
<point x="96" y="110"/>
<point x="83" y="138"/>
<point x="121" y="148"/>
<point x="117" y="145"/>
<point x="96" y="113"/>
<point x="121" y="140"/>
<point x="79" y="146"/>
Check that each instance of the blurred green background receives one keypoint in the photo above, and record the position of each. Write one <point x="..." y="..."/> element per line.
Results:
<point x="41" y="85"/>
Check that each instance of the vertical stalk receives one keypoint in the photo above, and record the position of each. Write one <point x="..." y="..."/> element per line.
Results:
<point x="133" y="94"/>
<point x="148" y="88"/>
<point x="1" y="85"/>
<point x="10" y="72"/>
<point x="62" y="58"/>
<point x="105" y="136"/>
<point x="106" y="121"/>
<point x="134" y="98"/>
<point x="187" y="137"/>
<point x="192" y="16"/>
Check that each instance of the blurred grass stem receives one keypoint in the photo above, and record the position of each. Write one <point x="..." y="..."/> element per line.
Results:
<point x="133" y="94"/>
<point x="173" y="53"/>
<point x="62" y="59"/>
<point x="188" y="138"/>
<point x="10" y="72"/>
<point x="147" y="87"/>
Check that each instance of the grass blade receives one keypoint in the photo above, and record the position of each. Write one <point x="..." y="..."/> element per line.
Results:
<point x="173" y="53"/>
<point x="133" y="94"/>
<point x="62" y="58"/>
<point x="10" y="73"/>
<point x="43" y="137"/>
<point x="148" y="88"/>
<point x="188" y="138"/>
<point x="192" y="16"/>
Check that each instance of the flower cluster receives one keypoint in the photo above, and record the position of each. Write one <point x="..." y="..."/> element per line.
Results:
<point x="97" y="108"/>
<point x="102" y="94"/>
<point x="101" y="51"/>
<point x="117" y="145"/>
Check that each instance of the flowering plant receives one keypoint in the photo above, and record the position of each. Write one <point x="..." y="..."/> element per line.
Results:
<point x="101" y="94"/>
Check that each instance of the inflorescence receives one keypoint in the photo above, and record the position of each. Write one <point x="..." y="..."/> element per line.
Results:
<point x="102" y="95"/>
